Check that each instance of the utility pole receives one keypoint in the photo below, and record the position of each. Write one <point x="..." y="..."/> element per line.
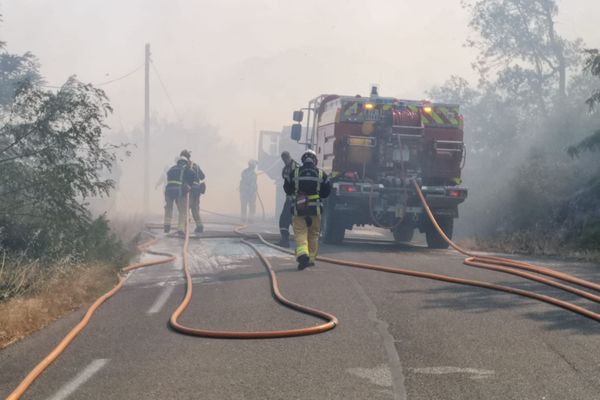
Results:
<point x="147" y="134"/>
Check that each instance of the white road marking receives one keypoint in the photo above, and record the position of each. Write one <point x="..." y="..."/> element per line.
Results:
<point x="476" y="373"/>
<point x="80" y="379"/>
<point x="161" y="300"/>
<point x="381" y="375"/>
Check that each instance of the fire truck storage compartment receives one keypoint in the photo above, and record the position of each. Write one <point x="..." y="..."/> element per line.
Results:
<point x="444" y="153"/>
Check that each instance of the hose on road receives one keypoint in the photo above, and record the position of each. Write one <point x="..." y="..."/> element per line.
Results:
<point x="66" y="341"/>
<point x="176" y="325"/>
<point x="499" y="264"/>
<point x="522" y="269"/>
<point x="445" y="278"/>
<point x="167" y="258"/>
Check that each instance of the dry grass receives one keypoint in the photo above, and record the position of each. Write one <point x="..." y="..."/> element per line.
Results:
<point x="527" y="243"/>
<point x="18" y="277"/>
<point x="33" y="294"/>
<point x="57" y="294"/>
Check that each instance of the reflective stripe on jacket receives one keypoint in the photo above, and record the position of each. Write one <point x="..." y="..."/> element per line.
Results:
<point x="179" y="178"/>
<point x="307" y="185"/>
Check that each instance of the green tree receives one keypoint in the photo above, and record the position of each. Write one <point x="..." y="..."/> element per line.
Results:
<point x="15" y="71"/>
<point x="52" y="158"/>
<point x="592" y="142"/>
<point x="517" y="39"/>
<point x="592" y="65"/>
<point x="526" y="108"/>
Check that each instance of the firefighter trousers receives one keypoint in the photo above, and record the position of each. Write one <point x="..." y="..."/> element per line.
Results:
<point x="174" y="198"/>
<point x="306" y="235"/>
<point x="248" y="206"/>
<point x="195" y="207"/>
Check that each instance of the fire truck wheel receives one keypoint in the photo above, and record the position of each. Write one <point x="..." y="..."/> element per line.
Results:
<point x="434" y="239"/>
<point x="403" y="233"/>
<point x="332" y="231"/>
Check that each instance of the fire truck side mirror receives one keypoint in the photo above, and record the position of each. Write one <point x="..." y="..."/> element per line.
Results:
<point x="296" y="132"/>
<point x="298" y="115"/>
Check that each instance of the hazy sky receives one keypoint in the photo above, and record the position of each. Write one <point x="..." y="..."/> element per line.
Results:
<point x="229" y="63"/>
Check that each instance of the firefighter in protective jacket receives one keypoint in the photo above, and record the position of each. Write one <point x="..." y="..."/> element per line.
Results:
<point x="179" y="181"/>
<point x="248" y="189"/>
<point x="198" y="188"/>
<point x="307" y="185"/>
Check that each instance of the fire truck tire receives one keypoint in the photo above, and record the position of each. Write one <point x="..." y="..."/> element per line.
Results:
<point x="332" y="230"/>
<point x="434" y="239"/>
<point x="403" y="233"/>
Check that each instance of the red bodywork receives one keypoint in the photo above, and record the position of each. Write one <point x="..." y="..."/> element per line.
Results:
<point x="371" y="136"/>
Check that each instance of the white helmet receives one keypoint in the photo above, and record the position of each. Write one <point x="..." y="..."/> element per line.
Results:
<point x="309" y="156"/>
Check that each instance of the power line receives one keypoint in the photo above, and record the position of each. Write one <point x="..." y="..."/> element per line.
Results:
<point x="121" y="77"/>
<point x="105" y="82"/>
<point x="165" y="90"/>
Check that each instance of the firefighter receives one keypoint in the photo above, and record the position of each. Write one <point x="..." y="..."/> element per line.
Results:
<point x="285" y="218"/>
<point x="198" y="189"/>
<point x="307" y="185"/>
<point x="179" y="181"/>
<point x="248" y="189"/>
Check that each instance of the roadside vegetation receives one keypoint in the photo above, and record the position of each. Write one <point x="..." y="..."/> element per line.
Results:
<point x="54" y="254"/>
<point x="532" y="128"/>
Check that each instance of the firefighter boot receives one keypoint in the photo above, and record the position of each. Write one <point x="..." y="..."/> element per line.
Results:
<point x="303" y="261"/>
<point x="285" y="239"/>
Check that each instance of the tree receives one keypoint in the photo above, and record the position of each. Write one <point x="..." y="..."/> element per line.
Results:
<point x="592" y="66"/>
<point x="518" y="40"/>
<point x="526" y="108"/>
<point x="51" y="156"/>
<point x="17" y="70"/>
<point x="592" y="142"/>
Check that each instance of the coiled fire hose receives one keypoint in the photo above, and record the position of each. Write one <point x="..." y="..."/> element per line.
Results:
<point x="176" y="325"/>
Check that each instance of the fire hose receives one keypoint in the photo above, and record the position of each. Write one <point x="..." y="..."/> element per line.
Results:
<point x="499" y="264"/>
<point x="522" y="269"/>
<point x="66" y="341"/>
<point x="176" y="325"/>
<point x="486" y="285"/>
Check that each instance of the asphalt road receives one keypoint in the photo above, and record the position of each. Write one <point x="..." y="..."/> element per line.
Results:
<point x="398" y="338"/>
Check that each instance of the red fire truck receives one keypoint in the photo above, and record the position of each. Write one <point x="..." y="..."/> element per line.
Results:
<point x="374" y="148"/>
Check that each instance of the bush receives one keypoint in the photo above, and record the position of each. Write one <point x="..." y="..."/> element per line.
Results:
<point x="579" y="217"/>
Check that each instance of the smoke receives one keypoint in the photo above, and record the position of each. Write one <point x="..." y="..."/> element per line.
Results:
<point x="230" y="66"/>
<point x="219" y="159"/>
